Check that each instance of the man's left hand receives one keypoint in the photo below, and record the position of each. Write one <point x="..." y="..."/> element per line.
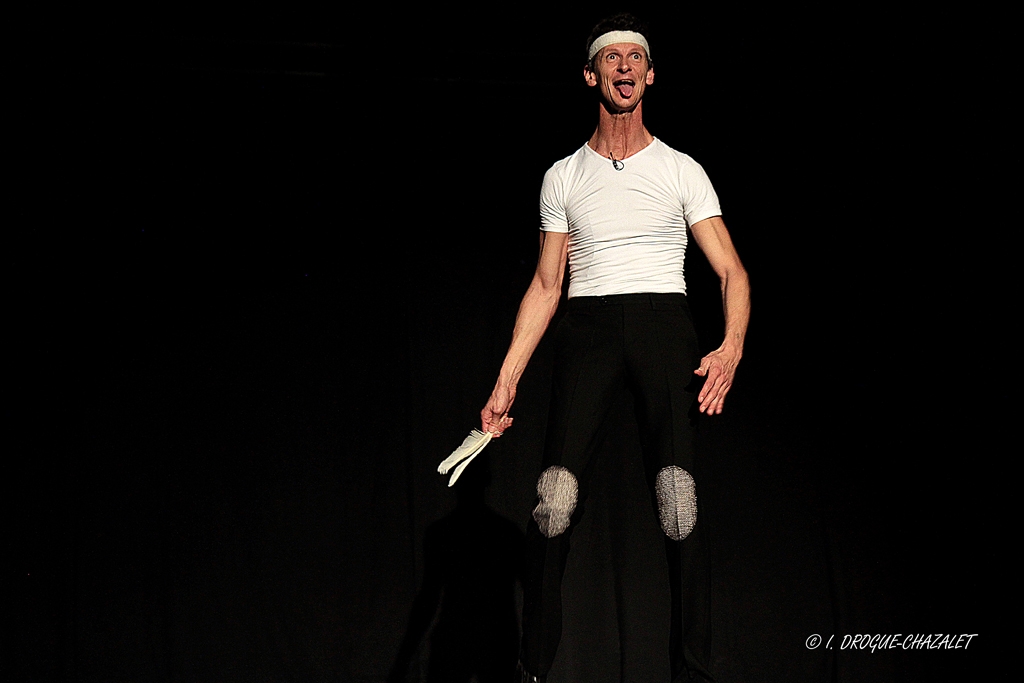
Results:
<point x="717" y="368"/>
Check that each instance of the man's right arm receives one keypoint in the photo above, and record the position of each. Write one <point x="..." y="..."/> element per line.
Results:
<point x="535" y="313"/>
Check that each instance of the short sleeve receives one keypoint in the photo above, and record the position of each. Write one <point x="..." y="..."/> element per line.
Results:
<point x="553" y="217"/>
<point x="698" y="196"/>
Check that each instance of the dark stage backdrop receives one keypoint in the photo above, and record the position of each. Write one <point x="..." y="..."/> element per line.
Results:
<point x="263" y="264"/>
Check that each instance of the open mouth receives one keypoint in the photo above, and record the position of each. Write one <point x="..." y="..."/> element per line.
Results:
<point x="625" y="87"/>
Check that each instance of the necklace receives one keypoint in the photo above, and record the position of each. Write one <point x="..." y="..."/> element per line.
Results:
<point x="616" y="164"/>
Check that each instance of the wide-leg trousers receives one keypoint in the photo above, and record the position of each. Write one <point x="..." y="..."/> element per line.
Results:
<point x="644" y="343"/>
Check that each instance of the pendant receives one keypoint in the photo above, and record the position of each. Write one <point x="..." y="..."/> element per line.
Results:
<point x="617" y="165"/>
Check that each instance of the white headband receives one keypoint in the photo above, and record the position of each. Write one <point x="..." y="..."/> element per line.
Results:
<point x="612" y="37"/>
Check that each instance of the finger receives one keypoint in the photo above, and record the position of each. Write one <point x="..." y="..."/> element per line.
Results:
<point x="497" y="424"/>
<point x="716" y="405"/>
<point x="705" y="403"/>
<point x="710" y="393"/>
<point x="706" y="364"/>
<point x="719" y="404"/>
<point x="491" y="420"/>
<point x="713" y="375"/>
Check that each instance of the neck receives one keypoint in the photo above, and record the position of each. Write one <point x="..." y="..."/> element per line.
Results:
<point x="620" y="134"/>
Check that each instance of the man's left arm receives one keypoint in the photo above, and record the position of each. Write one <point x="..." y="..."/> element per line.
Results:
<point x="719" y="367"/>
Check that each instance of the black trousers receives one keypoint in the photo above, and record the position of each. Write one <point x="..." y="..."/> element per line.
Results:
<point x="644" y="343"/>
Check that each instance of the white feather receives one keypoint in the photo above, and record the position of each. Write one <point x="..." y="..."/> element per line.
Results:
<point x="464" y="454"/>
<point x="460" y="468"/>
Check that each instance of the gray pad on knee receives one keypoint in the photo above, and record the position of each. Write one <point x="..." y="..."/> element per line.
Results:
<point x="677" y="502"/>
<point x="558" y="490"/>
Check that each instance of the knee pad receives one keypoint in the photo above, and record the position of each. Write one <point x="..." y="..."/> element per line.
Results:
<point x="677" y="502"/>
<point x="558" y="490"/>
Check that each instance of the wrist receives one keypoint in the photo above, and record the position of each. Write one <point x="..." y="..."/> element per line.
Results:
<point x="733" y="348"/>
<point x="508" y="378"/>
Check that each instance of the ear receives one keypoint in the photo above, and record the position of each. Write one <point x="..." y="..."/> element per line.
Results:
<point x="589" y="76"/>
<point x="650" y="76"/>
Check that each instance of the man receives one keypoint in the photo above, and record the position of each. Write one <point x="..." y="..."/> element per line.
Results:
<point x="619" y="210"/>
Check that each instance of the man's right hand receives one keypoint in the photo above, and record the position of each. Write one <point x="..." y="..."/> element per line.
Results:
<point x="494" y="417"/>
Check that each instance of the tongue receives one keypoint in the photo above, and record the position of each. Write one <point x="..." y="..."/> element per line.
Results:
<point x="625" y="89"/>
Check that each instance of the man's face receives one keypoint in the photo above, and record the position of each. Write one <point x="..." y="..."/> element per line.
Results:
<point x="622" y="73"/>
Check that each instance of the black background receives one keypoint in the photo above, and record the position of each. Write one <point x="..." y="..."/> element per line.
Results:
<point x="263" y="264"/>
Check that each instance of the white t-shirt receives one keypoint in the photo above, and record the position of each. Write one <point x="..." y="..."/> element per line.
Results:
<point x="627" y="229"/>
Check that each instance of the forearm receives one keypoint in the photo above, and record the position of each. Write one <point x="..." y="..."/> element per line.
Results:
<point x="713" y="238"/>
<point x="535" y="313"/>
<point x="736" y="307"/>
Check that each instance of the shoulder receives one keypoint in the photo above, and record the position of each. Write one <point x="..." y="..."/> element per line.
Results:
<point x="680" y="159"/>
<point x="683" y="168"/>
<point x="565" y="173"/>
<point x="564" y="165"/>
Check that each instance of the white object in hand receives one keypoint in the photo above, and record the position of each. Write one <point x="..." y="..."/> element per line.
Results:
<point x="464" y="454"/>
